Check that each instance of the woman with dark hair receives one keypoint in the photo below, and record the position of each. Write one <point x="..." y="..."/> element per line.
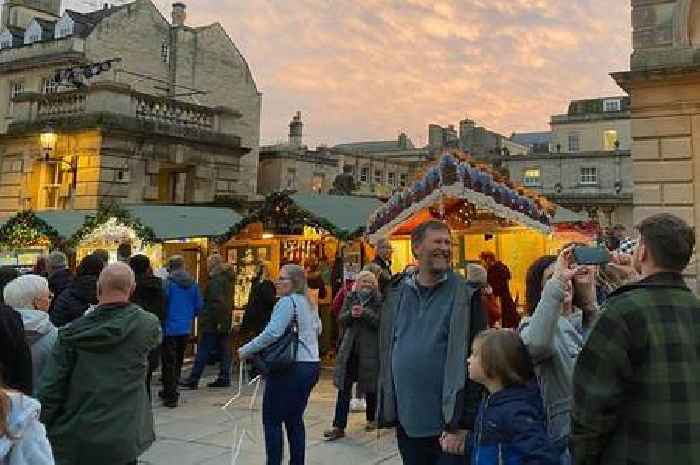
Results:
<point x="149" y="295"/>
<point x="561" y="301"/>
<point x="15" y="353"/>
<point x="80" y="294"/>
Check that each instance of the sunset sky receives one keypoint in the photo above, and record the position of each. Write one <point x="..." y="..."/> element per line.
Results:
<point x="368" y="69"/>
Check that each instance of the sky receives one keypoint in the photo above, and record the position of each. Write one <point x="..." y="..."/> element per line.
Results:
<point x="370" y="69"/>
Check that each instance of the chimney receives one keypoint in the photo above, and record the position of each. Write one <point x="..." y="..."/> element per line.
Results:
<point x="179" y="14"/>
<point x="295" y="130"/>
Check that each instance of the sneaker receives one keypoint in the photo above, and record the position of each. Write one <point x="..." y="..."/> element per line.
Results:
<point x="190" y="384"/>
<point x="170" y="403"/>
<point x="371" y="426"/>
<point x="219" y="383"/>
<point x="333" y="434"/>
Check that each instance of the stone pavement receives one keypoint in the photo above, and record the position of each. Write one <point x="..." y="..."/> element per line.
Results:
<point x="198" y="432"/>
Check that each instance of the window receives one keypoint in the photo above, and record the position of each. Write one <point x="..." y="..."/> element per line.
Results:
<point x="317" y="182"/>
<point x="391" y="179"/>
<point x="48" y="86"/>
<point x="589" y="176"/>
<point x="364" y="174"/>
<point x="51" y="185"/>
<point x="532" y="177"/>
<point x="403" y="178"/>
<point x="378" y="176"/>
<point x="165" y="52"/>
<point x="574" y="142"/>
<point x="612" y="105"/>
<point x="16" y="88"/>
<point x="609" y="139"/>
<point x="291" y="178"/>
<point x="6" y="39"/>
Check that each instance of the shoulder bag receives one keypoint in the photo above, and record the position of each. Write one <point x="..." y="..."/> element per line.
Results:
<point x="279" y="356"/>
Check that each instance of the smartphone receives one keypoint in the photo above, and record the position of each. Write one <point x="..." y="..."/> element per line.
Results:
<point x="591" y="255"/>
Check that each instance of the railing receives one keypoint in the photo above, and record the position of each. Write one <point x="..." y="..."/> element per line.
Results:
<point x="62" y="105"/>
<point x="173" y="113"/>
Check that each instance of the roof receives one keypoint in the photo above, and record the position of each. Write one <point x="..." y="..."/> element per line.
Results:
<point x="564" y="215"/>
<point x="532" y="138"/>
<point x="86" y="22"/>
<point x="375" y="146"/>
<point x="346" y="212"/>
<point x="167" y="221"/>
<point x="597" y="105"/>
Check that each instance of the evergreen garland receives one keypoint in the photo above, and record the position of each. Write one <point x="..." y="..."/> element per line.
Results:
<point x="25" y="229"/>
<point x="104" y="214"/>
<point x="281" y="215"/>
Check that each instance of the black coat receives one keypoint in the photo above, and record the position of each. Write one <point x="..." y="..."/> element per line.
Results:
<point x="259" y="309"/>
<point x="72" y="303"/>
<point x="150" y="295"/>
<point x="385" y="276"/>
<point x="15" y="354"/>
<point x="360" y="335"/>
<point x="58" y="282"/>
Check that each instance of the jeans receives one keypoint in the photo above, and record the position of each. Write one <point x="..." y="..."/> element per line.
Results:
<point x="424" y="451"/>
<point x="342" y="404"/>
<point x="172" y="355"/>
<point x="207" y="344"/>
<point x="284" y="401"/>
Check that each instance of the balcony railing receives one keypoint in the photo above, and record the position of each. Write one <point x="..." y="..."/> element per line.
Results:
<point x="173" y="113"/>
<point x="65" y="105"/>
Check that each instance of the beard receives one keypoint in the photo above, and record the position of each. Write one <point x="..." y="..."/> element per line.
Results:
<point x="437" y="262"/>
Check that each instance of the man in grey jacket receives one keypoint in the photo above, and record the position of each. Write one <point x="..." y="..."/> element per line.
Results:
<point x="429" y="320"/>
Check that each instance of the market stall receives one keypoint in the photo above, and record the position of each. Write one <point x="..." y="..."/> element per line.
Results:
<point x="24" y="238"/>
<point x="486" y="213"/>
<point x="306" y="229"/>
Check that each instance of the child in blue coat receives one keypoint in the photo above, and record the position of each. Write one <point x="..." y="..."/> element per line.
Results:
<point x="510" y="427"/>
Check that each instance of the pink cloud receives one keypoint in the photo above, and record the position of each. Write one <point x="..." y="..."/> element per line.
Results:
<point x="367" y="69"/>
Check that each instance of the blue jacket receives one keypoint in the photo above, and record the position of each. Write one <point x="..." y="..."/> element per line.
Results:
<point x="510" y="429"/>
<point x="184" y="303"/>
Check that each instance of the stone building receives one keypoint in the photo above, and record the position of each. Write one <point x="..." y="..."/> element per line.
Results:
<point x="378" y="167"/>
<point x="177" y="120"/>
<point x="589" y="166"/>
<point x="664" y="84"/>
<point x="480" y="142"/>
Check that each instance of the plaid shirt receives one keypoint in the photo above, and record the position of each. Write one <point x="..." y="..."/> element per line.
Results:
<point x="637" y="379"/>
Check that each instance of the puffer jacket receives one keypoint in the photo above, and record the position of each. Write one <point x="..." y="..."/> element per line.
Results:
<point x="72" y="303"/>
<point x="27" y="443"/>
<point x="184" y="303"/>
<point x="510" y="429"/>
<point x="41" y="337"/>
<point x="361" y="336"/>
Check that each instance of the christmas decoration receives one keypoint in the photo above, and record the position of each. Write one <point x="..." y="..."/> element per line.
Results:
<point x="116" y="215"/>
<point x="25" y="229"/>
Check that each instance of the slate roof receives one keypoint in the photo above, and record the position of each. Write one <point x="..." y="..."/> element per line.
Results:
<point x="374" y="146"/>
<point x="47" y="28"/>
<point x="86" y="22"/>
<point x="532" y="138"/>
<point x="346" y="212"/>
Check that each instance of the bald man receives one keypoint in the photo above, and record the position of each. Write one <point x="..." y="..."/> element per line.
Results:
<point x="94" y="403"/>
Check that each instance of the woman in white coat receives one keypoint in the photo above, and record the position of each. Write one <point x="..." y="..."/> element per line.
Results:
<point x="23" y="438"/>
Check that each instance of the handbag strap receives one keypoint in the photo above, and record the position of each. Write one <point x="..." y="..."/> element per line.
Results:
<point x="295" y="319"/>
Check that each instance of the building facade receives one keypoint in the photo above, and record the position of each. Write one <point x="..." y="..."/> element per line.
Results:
<point x="176" y="120"/>
<point x="664" y="84"/>
<point x="589" y="168"/>
<point x="378" y="167"/>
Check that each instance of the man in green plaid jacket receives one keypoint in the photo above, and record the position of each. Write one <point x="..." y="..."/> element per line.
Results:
<point x="637" y="379"/>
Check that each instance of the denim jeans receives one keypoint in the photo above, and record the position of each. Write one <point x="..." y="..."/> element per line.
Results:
<point x="207" y="344"/>
<point x="284" y="401"/>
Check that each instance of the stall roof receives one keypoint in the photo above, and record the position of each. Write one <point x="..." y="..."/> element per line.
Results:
<point x="344" y="211"/>
<point x="167" y="221"/>
<point x="564" y="215"/>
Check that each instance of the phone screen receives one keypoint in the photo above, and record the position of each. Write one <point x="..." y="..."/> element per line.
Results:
<point x="591" y="255"/>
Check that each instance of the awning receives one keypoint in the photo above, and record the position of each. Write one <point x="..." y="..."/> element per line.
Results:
<point x="345" y="212"/>
<point x="564" y="215"/>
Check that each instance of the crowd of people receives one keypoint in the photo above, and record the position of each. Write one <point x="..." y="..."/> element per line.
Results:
<point x="602" y="368"/>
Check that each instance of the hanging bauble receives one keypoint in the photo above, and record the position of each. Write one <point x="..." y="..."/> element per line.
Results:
<point x="432" y="179"/>
<point x="488" y="186"/>
<point x="448" y="170"/>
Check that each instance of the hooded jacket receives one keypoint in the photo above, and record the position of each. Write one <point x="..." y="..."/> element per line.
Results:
<point x="15" y="354"/>
<point x="184" y="303"/>
<point x="27" y="443"/>
<point x="41" y="335"/>
<point x="150" y="296"/>
<point x="75" y="300"/>
<point x="59" y="281"/>
<point x="95" y="407"/>
<point x="218" y="302"/>
<point x="510" y="429"/>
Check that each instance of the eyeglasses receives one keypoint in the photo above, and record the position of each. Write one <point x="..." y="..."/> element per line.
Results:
<point x="284" y="278"/>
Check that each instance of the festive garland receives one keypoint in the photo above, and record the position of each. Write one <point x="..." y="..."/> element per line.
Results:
<point x="103" y="215"/>
<point x="279" y="213"/>
<point x="25" y="229"/>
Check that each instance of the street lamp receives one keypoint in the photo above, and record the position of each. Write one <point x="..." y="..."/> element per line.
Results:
<point x="48" y="141"/>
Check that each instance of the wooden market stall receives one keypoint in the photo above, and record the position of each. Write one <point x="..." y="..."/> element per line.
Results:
<point x="486" y="213"/>
<point x="297" y="228"/>
<point x="25" y="237"/>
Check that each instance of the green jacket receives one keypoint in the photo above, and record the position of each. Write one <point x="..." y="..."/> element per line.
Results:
<point x="93" y="396"/>
<point x="637" y="379"/>
<point x="216" y="316"/>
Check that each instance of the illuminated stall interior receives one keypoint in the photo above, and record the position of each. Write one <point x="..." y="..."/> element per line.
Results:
<point x="24" y="238"/>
